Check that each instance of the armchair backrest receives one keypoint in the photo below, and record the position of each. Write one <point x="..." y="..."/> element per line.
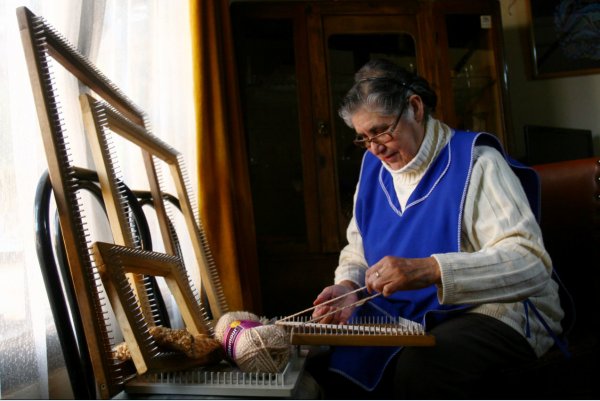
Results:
<point x="570" y="222"/>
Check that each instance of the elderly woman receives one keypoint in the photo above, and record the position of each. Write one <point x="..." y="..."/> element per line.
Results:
<point x="442" y="228"/>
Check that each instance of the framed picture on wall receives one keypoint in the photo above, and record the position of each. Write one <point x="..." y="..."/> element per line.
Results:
<point x="565" y="37"/>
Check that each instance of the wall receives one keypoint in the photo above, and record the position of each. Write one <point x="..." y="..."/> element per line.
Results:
<point x="572" y="102"/>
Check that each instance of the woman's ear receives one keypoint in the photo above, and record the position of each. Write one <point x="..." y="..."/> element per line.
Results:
<point x="418" y="107"/>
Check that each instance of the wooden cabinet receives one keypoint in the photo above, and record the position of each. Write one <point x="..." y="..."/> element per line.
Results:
<point x="295" y="62"/>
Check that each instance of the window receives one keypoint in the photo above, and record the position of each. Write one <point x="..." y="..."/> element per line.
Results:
<point x="144" y="46"/>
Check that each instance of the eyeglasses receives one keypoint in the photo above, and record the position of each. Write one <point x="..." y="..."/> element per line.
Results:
<point x="382" y="138"/>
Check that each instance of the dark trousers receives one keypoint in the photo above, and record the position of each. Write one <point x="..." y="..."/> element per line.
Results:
<point x="470" y="350"/>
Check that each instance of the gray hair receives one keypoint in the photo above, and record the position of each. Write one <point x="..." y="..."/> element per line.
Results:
<point x="382" y="86"/>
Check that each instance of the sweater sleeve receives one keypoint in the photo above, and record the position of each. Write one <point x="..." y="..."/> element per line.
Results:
<point x="352" y="263"/>
<point x="502" y="256"/>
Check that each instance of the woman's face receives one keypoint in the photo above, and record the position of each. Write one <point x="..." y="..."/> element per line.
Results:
<point x="401" y="146"/>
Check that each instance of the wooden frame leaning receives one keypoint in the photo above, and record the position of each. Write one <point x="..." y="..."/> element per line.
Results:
<point x="100" y="121"/>
<point x="43" y="46"/>
<point x="116" y="265"/>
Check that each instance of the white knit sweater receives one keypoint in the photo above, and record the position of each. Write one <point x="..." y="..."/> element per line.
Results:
<point x="502" y="260"/>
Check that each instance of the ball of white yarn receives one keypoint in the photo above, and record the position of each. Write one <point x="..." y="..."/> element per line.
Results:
<point x="262" y="348"/>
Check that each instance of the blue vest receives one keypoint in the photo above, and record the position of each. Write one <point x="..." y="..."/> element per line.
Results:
<point x="430" y="223"/>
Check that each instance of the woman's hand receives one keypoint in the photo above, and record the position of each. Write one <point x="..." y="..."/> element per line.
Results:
<point x="334" y="291"/>
<point x="392" y="274"/>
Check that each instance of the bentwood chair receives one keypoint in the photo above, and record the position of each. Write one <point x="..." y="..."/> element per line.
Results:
<point x="57" y="278"/>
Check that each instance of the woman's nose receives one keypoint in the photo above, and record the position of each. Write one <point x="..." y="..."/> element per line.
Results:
<point x="376" y="148"/>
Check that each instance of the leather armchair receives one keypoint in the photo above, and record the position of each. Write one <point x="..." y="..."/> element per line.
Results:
<point x="570" y="222"/>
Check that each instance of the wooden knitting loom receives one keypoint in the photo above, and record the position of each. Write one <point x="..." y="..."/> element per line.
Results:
<point x="101" y="121"/>
<point x="378" y="331"/>
<point x="98" y="267"/>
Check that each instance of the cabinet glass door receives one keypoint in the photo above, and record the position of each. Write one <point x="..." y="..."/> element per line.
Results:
<point x="351" y="42"/>
<point x="347" y="53"/>
<point x="474" y="76"/>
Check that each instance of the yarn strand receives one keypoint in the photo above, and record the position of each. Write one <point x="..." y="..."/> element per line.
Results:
<point x="357" y="303"/>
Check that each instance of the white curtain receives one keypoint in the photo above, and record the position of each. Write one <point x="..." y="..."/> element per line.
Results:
<point x="144" y="47"/>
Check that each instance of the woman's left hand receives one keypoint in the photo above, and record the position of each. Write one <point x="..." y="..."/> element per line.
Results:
<point x="392" y="274"/>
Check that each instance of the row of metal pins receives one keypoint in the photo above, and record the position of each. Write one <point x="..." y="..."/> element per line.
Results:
<point x="148" y="344"/>
<point x="374" y="325"/>
<point x="216" y="378"/>
<point x="41" y="31"/>
<point x="115" y="177"/>
<point x="64" y="44"/>
<point x="195" y="294"/>
<point x="212" y="267"/>
<point x="152" y="302"/>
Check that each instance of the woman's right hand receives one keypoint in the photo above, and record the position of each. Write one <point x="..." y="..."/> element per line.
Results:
<point x="321" y="312"/>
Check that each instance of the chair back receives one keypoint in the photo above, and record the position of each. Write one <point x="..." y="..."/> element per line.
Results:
<point x="57" y="277"/>
<point x="570" y="223"/>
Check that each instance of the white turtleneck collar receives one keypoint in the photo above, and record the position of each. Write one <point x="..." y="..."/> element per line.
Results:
<point x="437" y="134"/>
